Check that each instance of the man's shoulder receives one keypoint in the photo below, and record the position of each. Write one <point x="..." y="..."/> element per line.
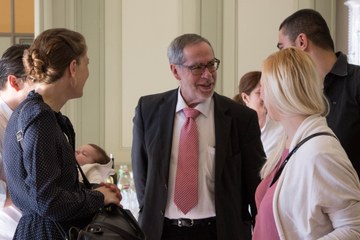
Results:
<point x="342" y="67"/>
<point x="224" y="102"/>
<point x="158" y="97"/>
<point x="354" y="70"/>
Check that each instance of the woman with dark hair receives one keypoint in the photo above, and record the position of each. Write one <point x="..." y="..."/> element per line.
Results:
<point x="249" y="95"/>
<point x="41" y="168"/>
<point x="14" y="88"/>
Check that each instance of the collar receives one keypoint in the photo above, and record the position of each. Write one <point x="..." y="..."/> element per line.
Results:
<point x="340" y="66"/>
<point x="312" y="124"/>
<point x="7" y="111"/>
<point x="203" y="107"/>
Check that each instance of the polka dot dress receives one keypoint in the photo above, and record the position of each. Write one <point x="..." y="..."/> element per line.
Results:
<point x="42" y="173"/>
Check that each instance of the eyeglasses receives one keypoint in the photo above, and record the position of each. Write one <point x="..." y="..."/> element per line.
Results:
<point x="198" y="69"/>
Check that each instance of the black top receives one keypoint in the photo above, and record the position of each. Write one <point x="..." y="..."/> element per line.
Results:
<point x="342" y="88"/>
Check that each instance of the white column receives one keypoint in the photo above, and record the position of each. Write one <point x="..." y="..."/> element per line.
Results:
<point x="354" y="31"/>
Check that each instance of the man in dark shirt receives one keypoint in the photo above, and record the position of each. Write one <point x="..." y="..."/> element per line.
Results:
<point x="307" y="30"/>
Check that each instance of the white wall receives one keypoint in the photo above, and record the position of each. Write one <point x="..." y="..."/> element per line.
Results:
<point x="128" y="40"/>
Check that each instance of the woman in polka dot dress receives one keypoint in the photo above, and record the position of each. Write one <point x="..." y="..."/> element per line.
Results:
<point x="41" y="171"/>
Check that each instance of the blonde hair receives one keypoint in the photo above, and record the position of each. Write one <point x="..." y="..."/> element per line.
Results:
<point x="291" y="87"/>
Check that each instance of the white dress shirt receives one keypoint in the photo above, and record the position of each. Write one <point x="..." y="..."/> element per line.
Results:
<point x="10" y="215"/>
<point x="206" y="127"/>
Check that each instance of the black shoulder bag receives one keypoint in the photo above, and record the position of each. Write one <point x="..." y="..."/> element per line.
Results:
<point x="111" y="222"/>
<point x="281" y="168"/>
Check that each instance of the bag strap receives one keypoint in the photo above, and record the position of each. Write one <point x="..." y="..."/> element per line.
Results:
<point x="61" y="231"/>
<point x="20" y="132"/>
<point x="279" y="171"/>
<point x="85" y="180"/>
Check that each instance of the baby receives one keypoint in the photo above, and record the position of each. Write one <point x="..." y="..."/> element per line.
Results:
<point x="95" y="163"/>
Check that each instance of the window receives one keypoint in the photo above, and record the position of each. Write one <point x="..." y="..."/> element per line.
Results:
<point x="16" y="22"/>
<point x="354" y="31"/>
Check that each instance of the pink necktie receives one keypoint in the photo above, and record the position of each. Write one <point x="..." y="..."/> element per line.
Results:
<point x="186" y="182"/>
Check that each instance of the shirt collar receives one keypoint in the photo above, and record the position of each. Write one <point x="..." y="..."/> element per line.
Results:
<point x="203" y="107"/>
<point x="7" y="111"/>
<point x="340" y="66"/>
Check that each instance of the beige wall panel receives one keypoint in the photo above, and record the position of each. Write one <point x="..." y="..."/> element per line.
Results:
<point x="90" y="22"/>
<point x="342" y="28"/>
<point x="188" y="12"/>
<point x="229" y="61"/>
<point x="128" y="41"/>
<point x="258" y="23"/>
<point x="113" y="82"/>
<point x="147" y="29"/>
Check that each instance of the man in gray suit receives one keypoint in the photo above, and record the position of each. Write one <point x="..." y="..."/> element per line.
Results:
<point x="230" y="153"/>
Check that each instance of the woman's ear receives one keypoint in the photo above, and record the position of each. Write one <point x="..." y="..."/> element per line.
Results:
<point x="245" y="97"/>
<point x="14" y="82"/>
<point x="72" y="68"/>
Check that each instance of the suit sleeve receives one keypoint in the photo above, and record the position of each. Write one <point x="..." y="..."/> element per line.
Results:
<point x="138" y="154"/>
<point x="254" y="158"/>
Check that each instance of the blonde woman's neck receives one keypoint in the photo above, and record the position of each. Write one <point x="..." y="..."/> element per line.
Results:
<point x="291" y="124"/>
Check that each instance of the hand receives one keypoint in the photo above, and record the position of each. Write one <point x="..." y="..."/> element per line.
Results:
<point x="111" y="193"/>
<point x="113" y="187"/>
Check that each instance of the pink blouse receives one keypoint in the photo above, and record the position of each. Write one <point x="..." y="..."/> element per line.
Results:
<point x="265" y="227"/>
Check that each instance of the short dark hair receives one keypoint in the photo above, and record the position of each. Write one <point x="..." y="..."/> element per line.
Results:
<point x="311" y="23"/>
<point x="104" y="158"/>
<point x="176" y="49"/>
<point x="11" y="63"/>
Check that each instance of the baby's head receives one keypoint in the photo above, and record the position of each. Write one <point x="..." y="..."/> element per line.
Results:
<point x="91" y="153"/>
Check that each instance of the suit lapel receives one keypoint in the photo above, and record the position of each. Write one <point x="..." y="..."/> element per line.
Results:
<point x="166" y="124"/>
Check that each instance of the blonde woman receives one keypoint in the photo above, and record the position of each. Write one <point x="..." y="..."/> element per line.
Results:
<point x="315" y="193"/>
